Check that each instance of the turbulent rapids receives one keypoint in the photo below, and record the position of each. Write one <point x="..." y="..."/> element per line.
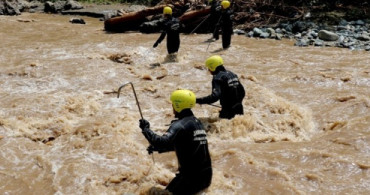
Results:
<point x="306" y="127"/>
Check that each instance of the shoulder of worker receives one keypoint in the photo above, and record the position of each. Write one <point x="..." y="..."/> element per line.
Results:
<point x="176" y="124"/>
<point x="231" y="73"/>
<point x="224" y="76"/>
<point x="174" y="19"/>
<point x="227" y="13"/>
<point x="185" y="122"/>
<point x="230" y="12"/>
<point x="220" y="75"/>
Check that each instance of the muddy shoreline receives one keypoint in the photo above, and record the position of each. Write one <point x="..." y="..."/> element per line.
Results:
<point x="319" y="27"/>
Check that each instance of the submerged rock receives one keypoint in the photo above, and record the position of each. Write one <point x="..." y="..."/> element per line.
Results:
<point x="77" y="21"/>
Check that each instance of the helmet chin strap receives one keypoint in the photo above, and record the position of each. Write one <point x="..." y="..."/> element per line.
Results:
<point x="174" y="111"/>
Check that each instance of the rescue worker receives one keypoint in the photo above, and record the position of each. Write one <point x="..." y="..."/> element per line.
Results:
<point x="171" y="28"/>
<point x="187" y="137"/>
<point x="226" y="87"/>
<point x="225" y="24"/>
<point x="214" y="17"/>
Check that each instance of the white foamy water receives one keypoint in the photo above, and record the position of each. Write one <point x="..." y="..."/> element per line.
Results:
<point x="64" y="131"/>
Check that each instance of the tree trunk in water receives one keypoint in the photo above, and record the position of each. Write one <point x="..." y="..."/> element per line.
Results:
<point x="192" y="19"/>
<point x="130" y="21"/>
<point x="133" y="20"/>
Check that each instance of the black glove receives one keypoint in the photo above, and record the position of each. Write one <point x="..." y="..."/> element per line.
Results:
<point x="155" y="45"/>
<point x="150" y="149"/>
<point x="144" y="124"/>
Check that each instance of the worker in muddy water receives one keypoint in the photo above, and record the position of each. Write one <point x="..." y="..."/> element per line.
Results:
<point x="187" y="137"/>
<point x="226" y="25"/>
<point x="226" y="87"/>
<point x="171" y="28"/>
<point x="214" y="17"/>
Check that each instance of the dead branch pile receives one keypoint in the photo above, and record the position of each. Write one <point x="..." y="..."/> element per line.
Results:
<point x="247" y="13"/>
<point x="256" y="13"/>
<point x="252" y="13"/>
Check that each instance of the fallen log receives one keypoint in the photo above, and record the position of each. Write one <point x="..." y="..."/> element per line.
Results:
<point x="188" y="16"/>
<point x="133" y="20"/>
<point x="193" y="18"/>
<point x="130" y="21"/>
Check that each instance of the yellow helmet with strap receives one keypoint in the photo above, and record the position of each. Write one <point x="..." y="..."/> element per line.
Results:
<point x="182" y="99"/>
<point x="213" y="62"/>
<point x="167" y="10"/>
<point x="225" y="4"/>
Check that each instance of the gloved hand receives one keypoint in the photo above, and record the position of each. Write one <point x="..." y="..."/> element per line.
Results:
<point x="150" y="149"/>
<point x="155" y="45"/>
<point x="143" y="124"/>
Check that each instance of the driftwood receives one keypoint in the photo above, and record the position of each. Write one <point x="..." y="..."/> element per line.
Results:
<point x="132" y="20"/>
<point x="188" y="16"/>
<point x="193" y="18"/>
<point x="247" y="15"/>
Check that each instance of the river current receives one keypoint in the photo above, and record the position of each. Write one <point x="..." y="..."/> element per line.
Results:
<point x="306" y="127"/>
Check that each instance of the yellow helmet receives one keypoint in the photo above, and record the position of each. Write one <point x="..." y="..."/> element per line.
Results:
<point x="213" y="62"/>
<point x="167" y="10"/>
<point x="225" y="4"/>
<point x="182" y="99"/>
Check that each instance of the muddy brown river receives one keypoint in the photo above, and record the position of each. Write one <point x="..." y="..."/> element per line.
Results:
<point x="306" y="127"/>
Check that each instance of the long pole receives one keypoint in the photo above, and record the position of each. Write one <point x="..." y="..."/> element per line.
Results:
<point x="133" y="89"/>
<point x="215" y="105"/>
<point x="200" y="24"/>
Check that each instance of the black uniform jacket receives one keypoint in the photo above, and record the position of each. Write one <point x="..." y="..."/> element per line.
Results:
<point x="226" y="88"/>
<point x="187" y="137"/>
<point x="226" y="21"/>
<point x="171" y="28"/>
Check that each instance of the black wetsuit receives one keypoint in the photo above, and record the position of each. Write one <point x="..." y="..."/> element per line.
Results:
<point x="226" y="26"/>
<point x="171" y="27"/>
<point x="214" y="17"/>
<point x="227" y="88"/>
<point x="187" y="137"/>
